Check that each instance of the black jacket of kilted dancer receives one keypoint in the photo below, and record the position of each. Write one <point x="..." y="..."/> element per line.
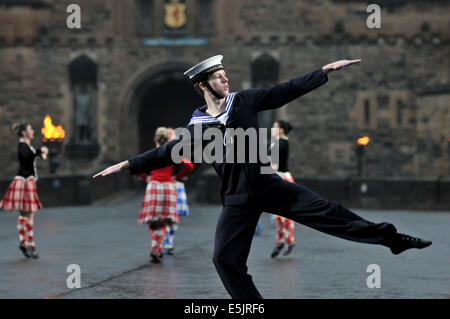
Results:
<point x="246" y="192"/>
<point x="26" y="160"/>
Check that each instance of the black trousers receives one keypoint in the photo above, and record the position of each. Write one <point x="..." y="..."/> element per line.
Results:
<point x="236" y="227"/>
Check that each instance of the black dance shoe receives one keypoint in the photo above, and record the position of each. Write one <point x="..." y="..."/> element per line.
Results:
<point x="402" y="242"/>
<point x="155" y="258"/>
<point x="25" y="251"/>
<point x="288" y="249"/>
<point x="170" y="251"/>
<point x="34" y="254"/>
<point x="277" y="250"/>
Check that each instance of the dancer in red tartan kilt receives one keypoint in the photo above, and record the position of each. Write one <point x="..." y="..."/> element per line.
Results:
<point x="159" y="207"/>
<point x="284" y="226"/>
<point x="21" y="195"/>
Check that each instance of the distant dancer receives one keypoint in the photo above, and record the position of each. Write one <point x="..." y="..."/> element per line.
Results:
<point x="284" y="226"/>
<point x="159" y="207"/>
<point x="22" y="195"/>
<point x="182" y="204"/>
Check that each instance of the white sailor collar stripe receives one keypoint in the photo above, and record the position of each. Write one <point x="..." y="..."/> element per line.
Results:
<point x="230" y="100"/>
<point x="221" y="119"/>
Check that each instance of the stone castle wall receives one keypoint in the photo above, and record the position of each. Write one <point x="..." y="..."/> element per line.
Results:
<point x="399" y="95"/>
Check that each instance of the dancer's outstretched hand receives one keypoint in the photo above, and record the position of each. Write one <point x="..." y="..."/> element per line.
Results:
<point x="112" y="169"/>
<point x="44" y="149"/>
<point x="44" y="152"/>
<point x="339" y="65"/>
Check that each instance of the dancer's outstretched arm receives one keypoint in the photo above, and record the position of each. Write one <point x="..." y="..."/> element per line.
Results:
<point x="153" y="159"/>
<point x="113" y="169"/>
<point x="278" y="95"/>
<point x="44" y="152"/>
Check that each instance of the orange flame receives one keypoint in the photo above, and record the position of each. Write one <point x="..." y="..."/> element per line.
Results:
<point x="52" y="132"/>
<point x="363" y="140"/>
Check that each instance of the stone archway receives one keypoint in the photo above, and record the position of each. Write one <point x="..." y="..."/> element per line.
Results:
<point x="159" y="96"/>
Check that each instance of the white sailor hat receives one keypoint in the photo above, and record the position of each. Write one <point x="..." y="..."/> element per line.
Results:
<point x="201" y="71"/>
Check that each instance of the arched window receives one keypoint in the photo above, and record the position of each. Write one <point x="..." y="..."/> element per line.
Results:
<point x="206" y="18"/>
<point x="144" y="17"/>
<point x="265" y="71"/>
<point x="83" y="82"/>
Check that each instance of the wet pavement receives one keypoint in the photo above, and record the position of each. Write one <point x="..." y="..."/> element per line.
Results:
<point x="112" y="251"/>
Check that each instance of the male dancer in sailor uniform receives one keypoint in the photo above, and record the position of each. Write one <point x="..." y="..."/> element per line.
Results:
<point x="245" y="191"/>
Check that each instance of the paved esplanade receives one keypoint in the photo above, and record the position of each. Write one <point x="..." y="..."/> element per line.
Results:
<point x="113" y="253"/>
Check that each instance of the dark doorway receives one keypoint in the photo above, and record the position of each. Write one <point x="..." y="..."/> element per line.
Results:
<point x="169" y="102"/>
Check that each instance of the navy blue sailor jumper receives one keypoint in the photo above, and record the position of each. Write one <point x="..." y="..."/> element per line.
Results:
<point x="242" y="183"/>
